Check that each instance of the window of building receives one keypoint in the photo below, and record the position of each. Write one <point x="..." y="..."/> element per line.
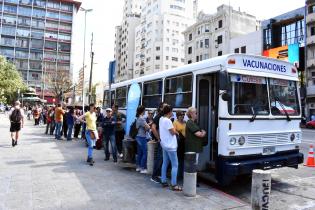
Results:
<point x="197" y="44"/>
<point x="54" y="5"/>
<point x="35" y="65"/>
<point x="64" y="47"/>
<point x="267" y="38"/>
<point x="22" y="42"/>
<point x="8" y="30"/>
<point x="158" y="48"/>
<point x="175" y="50"/>
<point x="207" y="43"/>
<point x="148" y="59"/>
<point x="38" y="44"/>
<point x="38" y="23"/>
<point x="311" y="9"/>
<point x="219" y="53"/>
<point x="237" y="50"/>
<point x="7" y="41"/>
<point x="9" y="52"/>
<point x="200" y="57"/>
<point x="292" y="33"/>
<point x="206" y="56"/>
<point x="10" y="9"/>
<point x="39" y="34"/>
<point x="157" y="57"/>
<point x="10" y="19"/>
<point x="243" y="49"/>
<point x="174" y="59"/>
<point x="189" y="62"/>
<point x="167" y="57"/>
<point x="220" y="24"/>
<point x="157" y="67"/>
<point x="197" y="58"/>
<point x="66" y="17"/>
<point x="219" y="39"/>
<point x="23" y="32"/>
<point x="190" y="37"/>
<point x="189" y="50"/>
<point x="25" y="11"/>
<point x="38" y="13"/>
<point x="66" y="7"/>
<point x="201" y="44"/>
<point x="53" y="15"/>
<point x="40" y="3"/>
<point x="152" y="93"/>
<point x="121" y="96"/>
<point x="50" y="45"/>
<point x="178" y="91"/>
<point x="313" y="31"/>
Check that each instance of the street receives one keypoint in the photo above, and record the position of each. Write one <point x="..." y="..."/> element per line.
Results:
<point x="41" y="173"/>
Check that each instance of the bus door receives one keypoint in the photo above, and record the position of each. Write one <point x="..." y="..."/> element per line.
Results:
<point x="207" y="112"/>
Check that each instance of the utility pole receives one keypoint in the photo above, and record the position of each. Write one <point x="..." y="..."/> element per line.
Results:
<point x="91" y="72"/>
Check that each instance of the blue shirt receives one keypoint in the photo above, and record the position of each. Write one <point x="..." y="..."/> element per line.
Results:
<point x="70" y="119"/>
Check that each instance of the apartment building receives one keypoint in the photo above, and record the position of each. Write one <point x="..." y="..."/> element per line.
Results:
<point x="310" y="56"/>
<point x="36" y="35"/>
<point x="159" y="42"/>
<point x="210" y="36"/>
<point x="124" y="40"/>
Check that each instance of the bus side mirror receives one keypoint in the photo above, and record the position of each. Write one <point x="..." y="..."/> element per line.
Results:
<point x="226" y="96"/>
<point x="223" y="80"/>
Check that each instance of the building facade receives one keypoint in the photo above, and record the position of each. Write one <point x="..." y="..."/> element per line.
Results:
<point x="36" y="35"/>
<point x="124" y="40"/>
<point x="310" y="56"/>
<point x="249" y="43"/>
<point x="159" y="42"/>
<point x="210" y="35"/>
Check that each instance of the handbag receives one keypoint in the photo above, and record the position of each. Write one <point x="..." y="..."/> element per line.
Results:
<point x="92" y="134"/>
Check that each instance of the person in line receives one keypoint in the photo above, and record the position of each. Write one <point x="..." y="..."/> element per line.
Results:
<point x="90" y="132"/>
<point x="119" y="118"/>
<point x="64" y="131"/>
<point x="53" y="122"/>
<point x="48" y="120"/>
<point x="194" y="135"/>
<point x="36" y="115"/>
<point x="156" y="136"/>
<point x="16" y="116"/>
<point x="59" y="112"/>
<point x="169" y="146"/>
<point x="70" y="121"/>
<point x="77" y="125"/>
<point x="180" y="126"/>
<point x="108" y="125"/>
<point x="141" y="139"/>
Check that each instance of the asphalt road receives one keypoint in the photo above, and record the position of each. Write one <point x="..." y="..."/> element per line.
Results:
<point x="291" y="188"/>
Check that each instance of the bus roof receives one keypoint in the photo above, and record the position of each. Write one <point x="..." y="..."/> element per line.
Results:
<point x="251" y="64"/>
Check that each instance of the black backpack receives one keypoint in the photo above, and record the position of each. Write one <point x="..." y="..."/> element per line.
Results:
<point x="16" y="116"/>
<point x="133" y="130"/>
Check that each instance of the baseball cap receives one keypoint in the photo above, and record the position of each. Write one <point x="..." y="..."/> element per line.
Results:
<point x="108" y="109"/>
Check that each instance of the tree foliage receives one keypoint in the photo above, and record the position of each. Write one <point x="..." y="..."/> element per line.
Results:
<point x="60" y="83"/>
<point x="10" y="82"/>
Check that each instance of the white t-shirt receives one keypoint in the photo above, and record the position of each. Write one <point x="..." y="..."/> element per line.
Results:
<point x="168" y="141"/>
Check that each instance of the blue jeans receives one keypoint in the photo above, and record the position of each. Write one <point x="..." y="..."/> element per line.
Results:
<point x="158" y="162"/>
<point x="70" y="127"/>
<point x="58" y="130"/>
<point x="167" y="157"/>
<point x="141" y="152"/>
<point x="106" y="139"/>
<point x="91" y="143"/>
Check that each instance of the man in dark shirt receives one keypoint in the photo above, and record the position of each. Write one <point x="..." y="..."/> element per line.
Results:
<point x="108" y="125"/>
<point x="156" y="136"/>
<point x="119" y="130"/>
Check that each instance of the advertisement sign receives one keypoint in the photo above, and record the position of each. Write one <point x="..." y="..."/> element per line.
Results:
<point x="280" y="53"/>
<point x="294" y="54"/>
<point x="132" y="104"/>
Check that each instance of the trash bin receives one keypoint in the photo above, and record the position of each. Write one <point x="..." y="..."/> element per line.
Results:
<point x="129" y="150"/>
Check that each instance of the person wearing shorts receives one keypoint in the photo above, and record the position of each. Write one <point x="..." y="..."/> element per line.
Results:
<point x="16" y="116"/>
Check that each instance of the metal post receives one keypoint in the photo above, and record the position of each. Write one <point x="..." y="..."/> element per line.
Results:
<point x="84" y="40"/>
<point x="91" y="72"/>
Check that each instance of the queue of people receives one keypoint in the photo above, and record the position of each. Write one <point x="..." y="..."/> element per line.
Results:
<point x="173" y="135"/>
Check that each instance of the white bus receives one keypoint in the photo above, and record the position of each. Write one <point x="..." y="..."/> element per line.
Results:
<point x="249" y="106"/>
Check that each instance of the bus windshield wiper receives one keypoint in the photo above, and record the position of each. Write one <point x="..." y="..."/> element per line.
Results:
<point x="282" y="106"/>
<point x="254" y="113"/>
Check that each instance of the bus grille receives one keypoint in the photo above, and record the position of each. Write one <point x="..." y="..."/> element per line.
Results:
<point x="268" y="139"/>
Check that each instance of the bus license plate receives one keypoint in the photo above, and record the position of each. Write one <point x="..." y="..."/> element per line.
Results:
<point x="269" y="150"/>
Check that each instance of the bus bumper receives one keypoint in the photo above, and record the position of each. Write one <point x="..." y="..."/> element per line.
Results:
<point x="233" y="166"/>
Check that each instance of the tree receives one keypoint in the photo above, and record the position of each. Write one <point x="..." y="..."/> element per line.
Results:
<point x="60" y="83"/>
<point x="10" y="82"/>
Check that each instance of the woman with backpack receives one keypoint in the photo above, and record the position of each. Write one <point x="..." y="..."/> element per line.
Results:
<point x="141" y="139"/>
<point x="16" y="116"/>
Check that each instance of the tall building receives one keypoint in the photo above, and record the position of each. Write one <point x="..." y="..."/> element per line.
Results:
<point x="310" y="56"/>
<point x="159" y="40"/>
<point x="124" y="40"/>
<point x="210" y="36"/>
<point x="37" y="35"/>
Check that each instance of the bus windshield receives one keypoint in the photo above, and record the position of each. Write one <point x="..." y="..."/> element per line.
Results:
<point x="250" y="96"/>
<point x="283" y="97"/>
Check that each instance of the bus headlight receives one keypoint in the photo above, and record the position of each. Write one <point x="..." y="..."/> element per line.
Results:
<point x="292" y="137"/>
<point x="241" y="140"/>
<point x="233" y="141"/>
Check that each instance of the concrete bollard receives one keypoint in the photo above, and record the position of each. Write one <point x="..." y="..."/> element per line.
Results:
<point x="129" y="150"/>
<point x="152" y="145"/>
<point x="190" y="174"/>
<point x="261" y="187"/>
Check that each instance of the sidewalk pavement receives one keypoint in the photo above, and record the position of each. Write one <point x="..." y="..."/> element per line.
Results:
<point x="42" y="173"/>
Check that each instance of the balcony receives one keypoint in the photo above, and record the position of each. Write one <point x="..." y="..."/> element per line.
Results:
<point x="311" y="63"/>
<point x="310" y="18"/>
<point x="310" y="40"/>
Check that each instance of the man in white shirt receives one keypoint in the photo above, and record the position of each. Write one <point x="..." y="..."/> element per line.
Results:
<point x="16" y="116"/>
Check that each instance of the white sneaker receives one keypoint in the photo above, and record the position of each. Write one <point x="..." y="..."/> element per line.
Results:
<point x="144" y="171"/>
<point x="138" y="169"/>
<point x="121" y="155"/>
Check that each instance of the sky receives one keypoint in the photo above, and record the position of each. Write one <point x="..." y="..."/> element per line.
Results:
<point x="107" y="14"/>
